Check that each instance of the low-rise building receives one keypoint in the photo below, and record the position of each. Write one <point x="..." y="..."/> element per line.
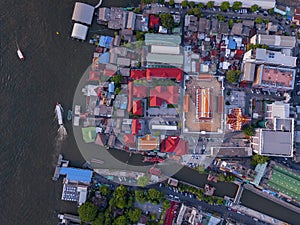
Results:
<point x="274" y="41"/>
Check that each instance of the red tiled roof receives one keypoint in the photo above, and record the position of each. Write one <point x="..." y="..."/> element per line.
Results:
<point x="109" y="73"/>
<point x="94" y="75"/>
<point x="140" y="91"/>
<point x="137" y="74"/>
<point x="174" y="145"/>
<point x="169" y="94"/>
<point x="135" y="126"/>
<point x="129" y="140"/>
<point x="137" y="108"/>
<point x="153" y="21"/>
<point x="171" y="73"/>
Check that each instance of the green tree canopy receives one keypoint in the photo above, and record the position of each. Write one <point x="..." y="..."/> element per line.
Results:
<point x="167" y="20"/>
<point x="134" y="215"/>
<point x="121" y="220"/>
<point x="139" y="196"/>
<point x="210" y="4"/>
<point x="258" y="159"/>
<point x="99" y="220"/>
<point x="103" y="190"/>
<point x="271" y="11"/>
<point x="232" y="76"/>
<point x="171" y="2"/>
<point x="225" y="6"/>
<point x="248" y="130"/>
<point x="143" y="181"/>
<point x="117" y="78"/>
<point x="184" y="3"/>
<point x="192" y="4"/>
<point x="200" y="5"/>
<point x="258" y="20"/>
<point x="254" y="8"/>
<point x="237" y="5"/>
<point x="87" y="212"/>
<point x="154" y="195"/>
<point x="196" y="11"/>
<point x="153" y="216"/>
<point x="230" y="23"/>
<point x="166" y="204"/>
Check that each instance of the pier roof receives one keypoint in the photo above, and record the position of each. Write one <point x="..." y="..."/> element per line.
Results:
<point x="83" y="13"/>
<point x="77" y="175"/>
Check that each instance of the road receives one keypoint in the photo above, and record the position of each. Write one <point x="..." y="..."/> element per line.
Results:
<point x="201" y="205"/>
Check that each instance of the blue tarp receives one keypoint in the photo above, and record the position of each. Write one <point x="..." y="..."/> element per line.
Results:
<point x="232" y="44"/>
<point x="74" y="174"/>
<point x="105" y="41"/>
<point x="111" y="87"/>
<point x="104" y="58"/>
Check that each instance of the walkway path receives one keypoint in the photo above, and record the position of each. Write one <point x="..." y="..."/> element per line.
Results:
<point x="98" y="5"/>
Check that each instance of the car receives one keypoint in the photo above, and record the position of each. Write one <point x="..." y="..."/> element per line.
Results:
<point x="171" y="196"/>
<point x="176" y="197"/>
<point x="190" y="196"/>
<point x="252" y="91"/>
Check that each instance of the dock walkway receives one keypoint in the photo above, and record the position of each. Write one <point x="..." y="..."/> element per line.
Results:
<point x="60" y="163"/>
<point x="98" y="5"/>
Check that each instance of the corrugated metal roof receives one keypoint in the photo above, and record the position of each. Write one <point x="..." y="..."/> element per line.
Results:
<point x="75" y="174"/>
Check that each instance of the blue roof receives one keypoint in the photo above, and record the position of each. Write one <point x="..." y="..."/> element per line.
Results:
<point x="104" y="58"/>
<point x="232" y="44"/>
<point x="75" y="174"/>
<point x="111" y="87"/>
<point x="105" y="41"/>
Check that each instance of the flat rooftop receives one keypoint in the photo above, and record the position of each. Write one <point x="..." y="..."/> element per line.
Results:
<point x="277" y="77"/>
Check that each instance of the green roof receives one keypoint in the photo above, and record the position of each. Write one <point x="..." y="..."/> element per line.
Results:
<point x="89" y="134"/>
<point x="165" y="58"/>
<point x="162" y="39"/>
<point x="286" y="182"/>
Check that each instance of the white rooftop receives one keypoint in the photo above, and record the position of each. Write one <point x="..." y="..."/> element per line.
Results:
<point x="83" y="13"/>
<point x="79" y="31"/>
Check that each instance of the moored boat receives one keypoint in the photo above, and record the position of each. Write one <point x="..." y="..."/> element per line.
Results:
<point x="20" y="55"/>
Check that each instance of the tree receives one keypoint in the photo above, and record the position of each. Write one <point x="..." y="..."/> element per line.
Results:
<point x="134" y="215"/>
<point x="196" y="11"/>
<point x="171" y="2"/>
<point x="258" y="20"/>
<point x="87" y="212"/>
<point x="99" y="220"/>
<point x="271" y="11"/>
<point x="221" y="177"/>
<point x="166" y="204"/>
<point x="117" y="78"/>
<point x="167" y="20"/>
<point x="201" y="168"/>
<point x="139" y="196"/>
<point x="220" y="17"/>
<point x="236" y="5"/>
<point x="210" y="4"/>
<point x="254" y="8"/>
<point x="121" y="220"/>
<point x="248" y="130"/>
<point x="264" y="46"/>
<point x="230" y="23"/>
<point x="232" y="76"/>
<point x="190" y="12"/>
<point x="184" y="3"/>
<point x="143" y="181"/>
<point x="136" y="10"/>
<point x="153" y="216"/>
<point x="192" y="4"/>
<point x="200" y="5"/>
<point x="266" y="21"/>
<point x="154" y="195"/>
<point x="103" y="190"/>
<point x="140" y="36"/>
<point x="258" y="159"/>
<point x="220" y="201"/>
<point x="225" y="6"/>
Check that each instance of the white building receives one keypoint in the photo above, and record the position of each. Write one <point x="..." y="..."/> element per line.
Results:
<point x="274" y="41"/>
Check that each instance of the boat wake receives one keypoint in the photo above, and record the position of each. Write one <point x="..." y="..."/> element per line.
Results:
<point x="61" y="133"/>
